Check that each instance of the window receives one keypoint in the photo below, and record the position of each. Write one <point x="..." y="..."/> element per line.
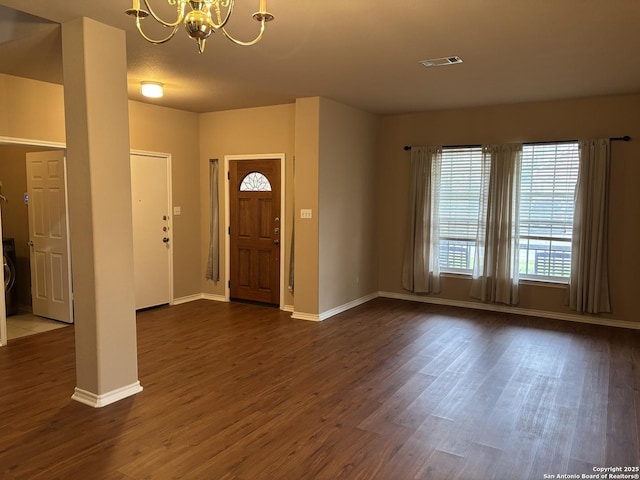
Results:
<point x="548" y="180"/>
<point x="255" y="182"/>
<point x="460" y="175"/>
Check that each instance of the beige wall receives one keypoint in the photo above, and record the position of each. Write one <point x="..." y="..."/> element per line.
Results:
<point x="594" y="117"/>
<point x="307" y="197"/>
<point x="323" y="134"/>
<point x="166" y="130"/>
<point x="31" y="109"/>
<point x="34" y="110"/>
<point x="250" y="131"/>
<point x="347" y="205"/>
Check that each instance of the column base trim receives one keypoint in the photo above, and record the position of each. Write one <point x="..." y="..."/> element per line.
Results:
<point x="99" y="401"/>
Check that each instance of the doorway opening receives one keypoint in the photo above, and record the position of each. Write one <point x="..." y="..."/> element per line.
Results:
<point x="19" y="250"/>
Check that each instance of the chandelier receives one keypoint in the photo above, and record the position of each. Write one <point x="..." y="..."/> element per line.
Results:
<point x="204" y="18"/>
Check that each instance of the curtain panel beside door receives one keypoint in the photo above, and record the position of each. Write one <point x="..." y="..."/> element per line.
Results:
<point x="213" y="262"/>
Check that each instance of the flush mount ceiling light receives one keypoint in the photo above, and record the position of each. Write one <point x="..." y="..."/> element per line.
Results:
<point x="151" y="89"/>
<point x="204" y="18"/>
<point x="437" y="62"/>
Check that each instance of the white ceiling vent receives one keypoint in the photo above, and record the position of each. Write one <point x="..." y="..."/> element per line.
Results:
<point x="436" y="62"/>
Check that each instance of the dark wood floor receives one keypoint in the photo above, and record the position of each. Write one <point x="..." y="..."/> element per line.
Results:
<point x="388" y="390"/>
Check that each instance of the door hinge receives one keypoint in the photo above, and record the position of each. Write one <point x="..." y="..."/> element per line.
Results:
<point x="228" y="175"/>
<point x="229" y="283"/>
<point x="229" y="230"/>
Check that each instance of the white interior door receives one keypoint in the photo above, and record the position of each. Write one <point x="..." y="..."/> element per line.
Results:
<point x="151" y="230"/>
<point x="49" y="236"/>
<point x="3" y="307"/>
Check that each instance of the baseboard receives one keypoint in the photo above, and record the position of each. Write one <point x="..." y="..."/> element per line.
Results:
<point x="347" y="306"/>
<point x="215" y="298"/>
<point x="312" y="317"/>
<point x="187" y="299"/>
<point x="515" y="310"/>
<point x="99" y="401"/>
<point x="198" y="296"/>
<point x="334" y="311"/>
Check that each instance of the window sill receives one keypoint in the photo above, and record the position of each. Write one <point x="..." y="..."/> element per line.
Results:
<point x="544" y="283"/>
<point x="523" y="281"/>
<point x="455" y="275"/>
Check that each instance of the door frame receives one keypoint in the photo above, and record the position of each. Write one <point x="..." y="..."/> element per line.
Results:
<point x="3" y="306"/>
<point x="167" y="157"/>
<point x="283" y="236"/>
<point x="29" y="143"/>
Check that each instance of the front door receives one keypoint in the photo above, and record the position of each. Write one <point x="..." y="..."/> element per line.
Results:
<point x="49" y="236"/>
<point x="254" y="206"/>
<point x="151" y="230"/>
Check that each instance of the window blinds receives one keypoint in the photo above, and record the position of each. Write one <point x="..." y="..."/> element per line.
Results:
<point x="549" y="176"/>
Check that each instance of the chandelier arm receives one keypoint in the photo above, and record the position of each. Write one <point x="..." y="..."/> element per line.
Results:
<point x="180" y="18"/>
<point x="222" y="23"/>
<point x="151" y="40"/>
<point x="249" y="43"/>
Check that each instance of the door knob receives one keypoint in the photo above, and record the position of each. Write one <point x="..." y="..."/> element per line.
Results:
<point x="30" y="243"/>
<point x="276" y="242"/>
<point x="165" y="239"/>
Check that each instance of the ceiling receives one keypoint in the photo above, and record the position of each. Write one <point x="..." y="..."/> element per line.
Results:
<point x="363" y="53"/>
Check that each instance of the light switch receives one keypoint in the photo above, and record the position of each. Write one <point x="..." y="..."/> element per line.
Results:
<point x="306" y="213"/>
<point x="176" y="211"/>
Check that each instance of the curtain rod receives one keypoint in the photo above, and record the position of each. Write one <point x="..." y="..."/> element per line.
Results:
<point x="625" y="138"/>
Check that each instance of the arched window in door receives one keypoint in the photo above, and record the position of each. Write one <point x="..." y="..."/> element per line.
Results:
<point x="255" y="182"/>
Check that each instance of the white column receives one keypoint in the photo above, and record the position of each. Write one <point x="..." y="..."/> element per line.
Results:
<point x="99" y="190"/>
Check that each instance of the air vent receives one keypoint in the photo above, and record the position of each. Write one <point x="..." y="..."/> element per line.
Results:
<point x="437" y="62"/>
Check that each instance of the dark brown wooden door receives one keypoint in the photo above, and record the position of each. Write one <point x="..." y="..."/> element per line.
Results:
<point x="254" y="187"/>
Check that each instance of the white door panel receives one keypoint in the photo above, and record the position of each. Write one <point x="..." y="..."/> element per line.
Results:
<point x="151" y="230"/>
<point x="49" y="236"/>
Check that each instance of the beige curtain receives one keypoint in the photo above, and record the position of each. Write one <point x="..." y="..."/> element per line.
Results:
<point x="213" y="263"/>
<point x="589" y="281"/>
<point x="496" y="266"/>
<point x="292" y="252"/>
<point x="421" y="270"/>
